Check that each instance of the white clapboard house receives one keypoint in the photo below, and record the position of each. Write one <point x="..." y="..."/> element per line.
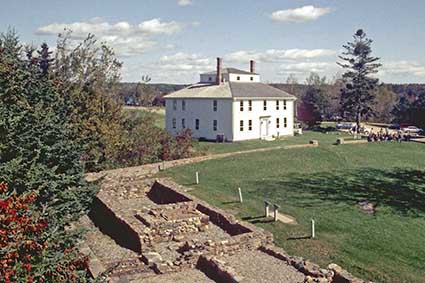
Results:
<point x="232" y="104"/>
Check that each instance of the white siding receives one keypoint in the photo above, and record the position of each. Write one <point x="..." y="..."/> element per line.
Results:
<point x="244" y="78"/>
<point x="257" y="112"/>
<point x="201" y="109"/>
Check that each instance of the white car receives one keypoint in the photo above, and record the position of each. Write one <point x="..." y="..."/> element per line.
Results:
<point x="413" y="130"/>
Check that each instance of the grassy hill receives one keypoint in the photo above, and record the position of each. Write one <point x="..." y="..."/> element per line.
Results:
<point x="326" y="184"/>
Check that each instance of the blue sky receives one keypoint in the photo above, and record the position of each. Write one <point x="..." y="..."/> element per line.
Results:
<point x="174" y="40"/>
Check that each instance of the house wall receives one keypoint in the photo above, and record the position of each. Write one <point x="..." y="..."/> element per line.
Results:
<point x="202" y="109"/>
<point x="257" y="112"/>
<point x="230" y="77"/>
<point x="244" y="78"/>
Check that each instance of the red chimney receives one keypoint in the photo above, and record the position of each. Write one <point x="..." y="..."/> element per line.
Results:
<point x="219" y="74"/>
<point x="252" y="66"/>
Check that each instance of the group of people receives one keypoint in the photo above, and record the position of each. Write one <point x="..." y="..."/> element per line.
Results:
<point x="386" y="136"/>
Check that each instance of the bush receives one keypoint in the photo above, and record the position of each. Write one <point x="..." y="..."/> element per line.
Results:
<point x="24" y="245"/>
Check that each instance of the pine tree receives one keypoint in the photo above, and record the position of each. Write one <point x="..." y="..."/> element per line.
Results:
<point x="37" y="153"/>
<point x="357" y="96"/>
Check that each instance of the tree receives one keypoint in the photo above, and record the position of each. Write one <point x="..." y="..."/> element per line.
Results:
<point x="88" y="78"/>
<point x="385" y="102"/>
<point x="315" y="102"/>
<point x="357" y="96"/>
<point x="37" y="153"/>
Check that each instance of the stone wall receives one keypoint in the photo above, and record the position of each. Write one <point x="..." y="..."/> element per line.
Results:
<point x="113" y="226"/>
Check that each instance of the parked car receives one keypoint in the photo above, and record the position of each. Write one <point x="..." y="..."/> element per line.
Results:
<point x="413" y="130"/>
<point x="345" y="126"/>
<point x="394" y="127"/>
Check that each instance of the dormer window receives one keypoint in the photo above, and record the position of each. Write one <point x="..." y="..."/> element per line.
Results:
<point x="238" y="78"/>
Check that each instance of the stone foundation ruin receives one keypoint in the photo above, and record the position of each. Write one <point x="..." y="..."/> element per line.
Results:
<point x="153" y="231"/>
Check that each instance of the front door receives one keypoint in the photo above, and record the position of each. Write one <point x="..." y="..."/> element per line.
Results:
<point x="264" y="127"/>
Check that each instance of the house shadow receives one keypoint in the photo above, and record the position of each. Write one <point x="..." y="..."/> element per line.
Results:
<point x="401" y="189"/>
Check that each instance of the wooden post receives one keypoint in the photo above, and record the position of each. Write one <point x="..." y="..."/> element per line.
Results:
<point x="266" y="208"/>
<point x="197" y="177"/>
<point x="276" y="207"/>
<point x="313" y="232"/>
<point x="163" y="164"/>
<point x="240" y="195"/>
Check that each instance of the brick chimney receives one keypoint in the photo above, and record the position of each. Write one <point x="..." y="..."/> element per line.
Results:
<point x="252" y="66"/>
<point x="219" y="78"/>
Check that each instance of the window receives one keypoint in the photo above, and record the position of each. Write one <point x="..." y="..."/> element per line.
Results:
<point x="252" y="78"/>
<point x="277" y="123"/>
<point x="284" y="105"/>
<point x="215" y="105"/>
<point x="215" y="125"/>
<point x="285" y="122"/>
<point x="197" y="124"/>
<point x="183" y="124"/>
<point x="264" y="105"/>
<point x="238" y="78"/>
<point x="210" y="79"/>
<point x="183" y="105"/>
<point x="277" y="104"/>
<point x="241" y="125"/>
<point x="249" y="105"/>
<point x="174" y="122"/>
<point x="241" y="105"/>
<point x="249" y="125"/>
<point x="174" y="104"/>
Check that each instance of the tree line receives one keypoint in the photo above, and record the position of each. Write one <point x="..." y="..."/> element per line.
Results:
<point x="357" y="95"/>
<point x="61" y="116"/>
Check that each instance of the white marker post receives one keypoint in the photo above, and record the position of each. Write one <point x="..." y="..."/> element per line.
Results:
<point x="276" y="207"/>
<point x="240" y="195"/>
<point x="197" y="177"/>
<point x="313" y="232"/>
<point x="266" y="208"/>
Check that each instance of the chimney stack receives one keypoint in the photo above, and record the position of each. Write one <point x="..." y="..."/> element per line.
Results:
<point x="219" y="78"/>
<point x="252" y="66"/>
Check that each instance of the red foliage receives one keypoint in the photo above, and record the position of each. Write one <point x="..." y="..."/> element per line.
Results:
<point x="22" y="242"/>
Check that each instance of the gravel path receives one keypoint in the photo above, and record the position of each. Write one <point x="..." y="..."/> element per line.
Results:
<point x="192" y="276"/>
<point x="259" y="267"/>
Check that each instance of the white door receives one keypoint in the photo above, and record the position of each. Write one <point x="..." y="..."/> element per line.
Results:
<point x="264" y="127"/>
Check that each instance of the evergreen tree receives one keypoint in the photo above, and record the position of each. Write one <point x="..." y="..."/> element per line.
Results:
<point x="37" y="153"/>
<point x="315" y="102"/>
<point x="357" y="96"/>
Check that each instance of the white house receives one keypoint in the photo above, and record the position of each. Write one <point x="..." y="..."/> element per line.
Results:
<point x="233" y="104"/>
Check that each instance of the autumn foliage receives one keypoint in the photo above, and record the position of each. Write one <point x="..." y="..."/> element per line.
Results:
<point x="23" y="243"/>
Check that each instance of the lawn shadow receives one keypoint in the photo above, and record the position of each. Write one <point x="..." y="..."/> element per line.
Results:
<point x="401" y="189"/>
<point x="298" y="238"/>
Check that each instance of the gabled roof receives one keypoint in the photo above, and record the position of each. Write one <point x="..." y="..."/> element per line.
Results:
<point x="257" y="90"/>
<point x="230" y="71"/>
<point x="231" y="90"/>
<point x="203" y="90"/>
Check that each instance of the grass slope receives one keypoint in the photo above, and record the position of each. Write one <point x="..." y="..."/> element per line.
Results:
<point x="325" y="184"/>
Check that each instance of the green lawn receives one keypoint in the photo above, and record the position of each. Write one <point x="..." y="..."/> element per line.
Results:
<point x="213" y="147"/>
<point x="157" y="113"/>
<point x="325" y="184"/>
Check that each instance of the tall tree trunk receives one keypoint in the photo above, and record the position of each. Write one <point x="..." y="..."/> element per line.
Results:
<point x="358" y="118"/>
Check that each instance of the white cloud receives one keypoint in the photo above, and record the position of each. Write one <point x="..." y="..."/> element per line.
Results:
<point x="184" y="62"/>
<point x="303" y="14"/>
<point x="275" y="55"/>
<point x="127" y="39"/>
<point x="403" y="68"/>
<point x="185" y="2"/>
<point x="303" y="68"/>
